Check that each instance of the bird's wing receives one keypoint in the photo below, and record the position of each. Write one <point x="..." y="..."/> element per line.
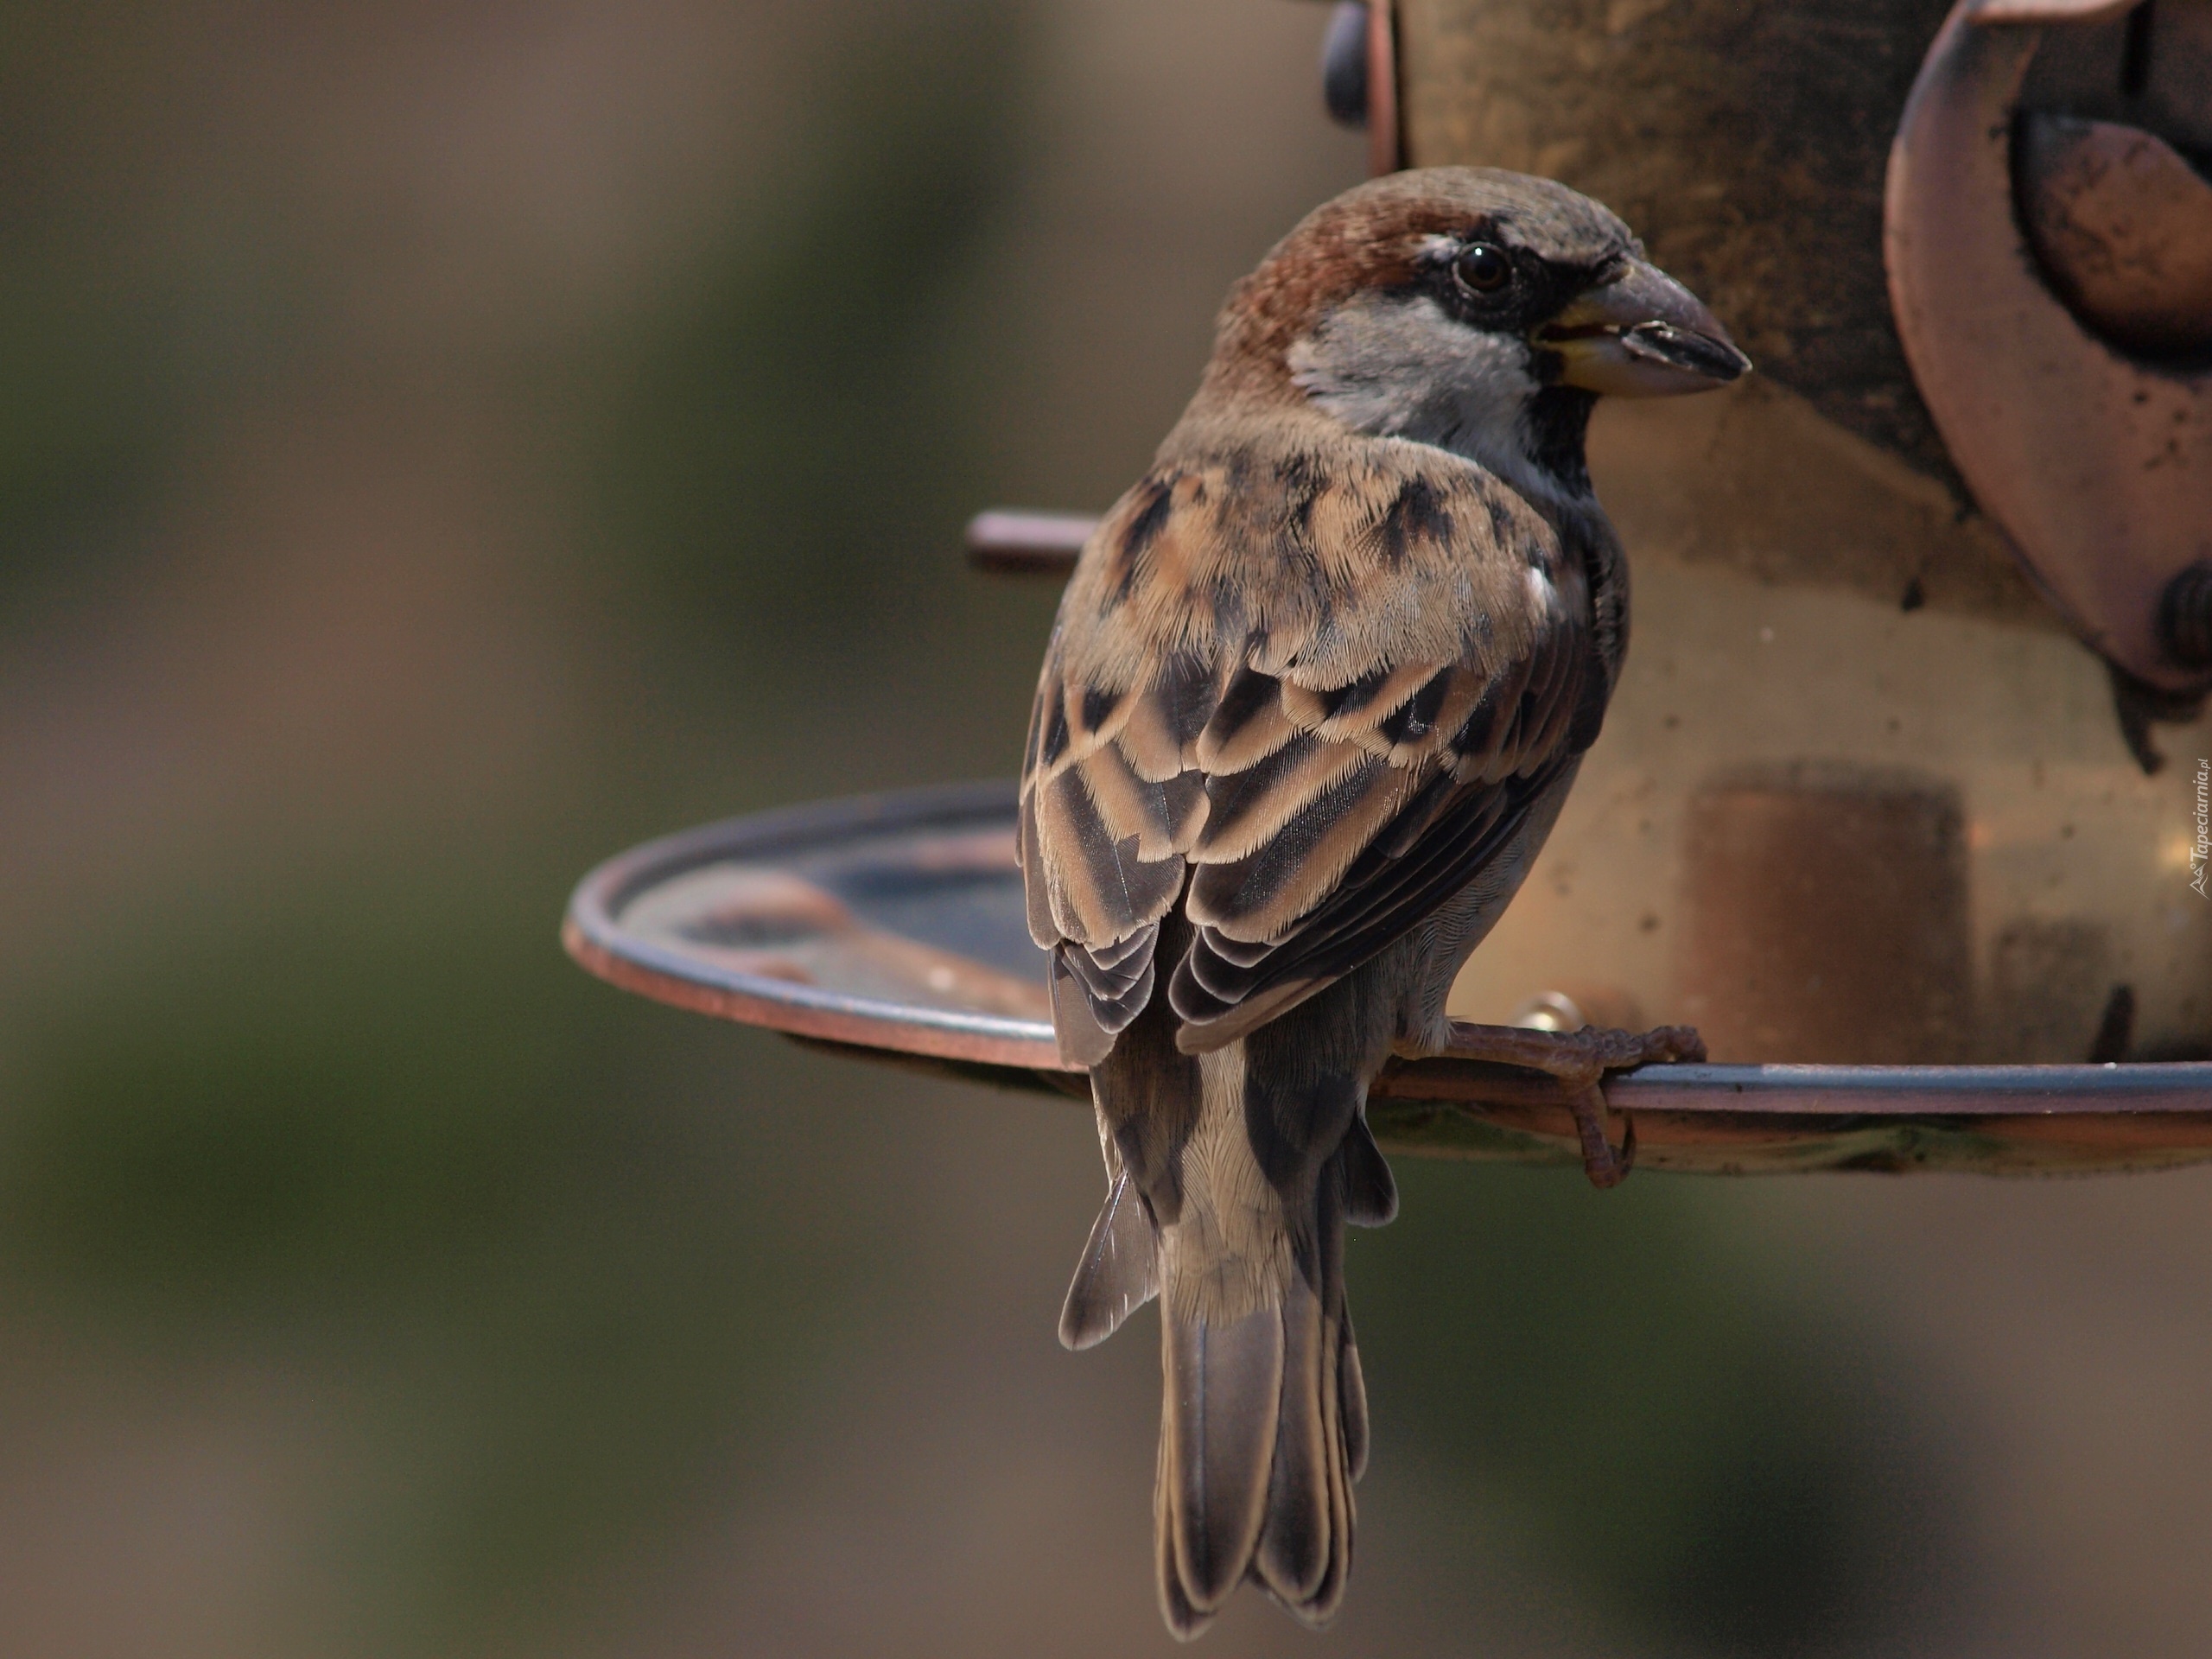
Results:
<point x="1310" y="703"/>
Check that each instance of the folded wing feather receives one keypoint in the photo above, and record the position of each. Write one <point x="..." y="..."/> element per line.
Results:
<point x="1242" y="712"/>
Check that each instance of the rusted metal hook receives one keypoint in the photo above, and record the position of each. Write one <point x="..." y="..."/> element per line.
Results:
<point x="2094" y="456"/>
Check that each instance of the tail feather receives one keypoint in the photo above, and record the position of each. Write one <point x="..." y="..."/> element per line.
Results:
<point x="1308" y="1539"/>
<point x="1117" y="1273"/>
<point x="1370" y="1190"/>
<point x="1229" y="1197"/>
<point x="1255" y="1463"/>
<point x="1318" y="1609"/>
<point x="1294" y="1552"/>
<point x="1224" y="1390"/>
<point x="1351" y="1393"/>
<point x="1184" y="1621"/>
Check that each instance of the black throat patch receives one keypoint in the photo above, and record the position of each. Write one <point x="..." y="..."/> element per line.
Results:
<point x="1553" y="428"/>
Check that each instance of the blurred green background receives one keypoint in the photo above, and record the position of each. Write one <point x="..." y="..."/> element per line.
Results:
<point x="442" y="446"/>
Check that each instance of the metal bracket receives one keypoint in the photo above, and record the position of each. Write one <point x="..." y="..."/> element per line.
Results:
<point x="2095" y="460"/>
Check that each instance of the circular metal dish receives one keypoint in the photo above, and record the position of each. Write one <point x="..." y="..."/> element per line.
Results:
<point x="891" y="927"/>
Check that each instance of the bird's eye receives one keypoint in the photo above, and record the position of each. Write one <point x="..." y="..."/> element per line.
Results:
<point x="1484" y="268"/>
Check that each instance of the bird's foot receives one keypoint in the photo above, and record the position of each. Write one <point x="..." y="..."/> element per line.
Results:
<point x="1579" y="1060"/>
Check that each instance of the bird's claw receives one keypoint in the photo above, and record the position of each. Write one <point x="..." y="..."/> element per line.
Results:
<point x="1579" y="1060"/>
<point x="1605" y="1165"/>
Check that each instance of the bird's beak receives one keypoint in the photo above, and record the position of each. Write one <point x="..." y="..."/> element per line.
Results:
<point x="1641" y="335"/>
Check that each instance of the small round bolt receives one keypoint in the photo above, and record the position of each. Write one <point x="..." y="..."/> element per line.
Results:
<point x="2185" y="616"/>
<point x="1549" y="1011"/>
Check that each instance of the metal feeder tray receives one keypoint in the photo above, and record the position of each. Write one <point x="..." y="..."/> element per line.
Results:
<point x="890" y="927"/>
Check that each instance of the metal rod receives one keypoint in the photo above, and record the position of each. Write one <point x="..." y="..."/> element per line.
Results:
<point x="1015" y="543"/>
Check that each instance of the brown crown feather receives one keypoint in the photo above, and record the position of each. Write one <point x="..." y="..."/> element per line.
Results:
<point x="1372" y="237"/>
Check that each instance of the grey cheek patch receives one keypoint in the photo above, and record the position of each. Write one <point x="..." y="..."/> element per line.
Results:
<point x="1389" y="367"/>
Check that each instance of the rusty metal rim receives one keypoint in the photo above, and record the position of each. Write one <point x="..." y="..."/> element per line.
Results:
<point x="593" y="936"/>
<point x="1784" y="1091"/>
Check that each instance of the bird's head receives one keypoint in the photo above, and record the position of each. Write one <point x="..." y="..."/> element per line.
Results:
<point x="1481" y="311"/>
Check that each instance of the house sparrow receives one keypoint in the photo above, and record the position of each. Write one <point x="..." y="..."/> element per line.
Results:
<point x="1318" y="689"/>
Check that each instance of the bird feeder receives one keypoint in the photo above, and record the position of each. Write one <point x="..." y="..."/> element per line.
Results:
<point x="1902" y="799"/>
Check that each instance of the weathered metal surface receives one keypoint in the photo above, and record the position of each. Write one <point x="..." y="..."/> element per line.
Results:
<point x="1745" y="143"/>
<point x="1828" y="914"/>
<point x="891" y="927"/>
<point x="2122" y="224"/>
<point x="2097" y="464"/>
